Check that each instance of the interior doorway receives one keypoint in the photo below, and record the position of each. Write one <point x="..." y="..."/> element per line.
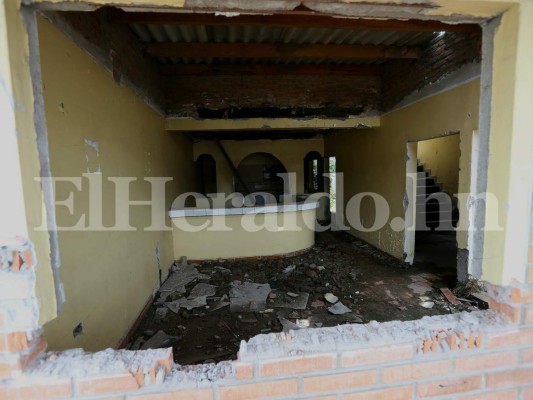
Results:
<point x="432" y="211"/>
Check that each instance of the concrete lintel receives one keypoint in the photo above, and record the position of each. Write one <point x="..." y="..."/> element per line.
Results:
<point x="190" y="124"/>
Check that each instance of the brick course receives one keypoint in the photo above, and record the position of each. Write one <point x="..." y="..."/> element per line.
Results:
<point x="185" y="94"/>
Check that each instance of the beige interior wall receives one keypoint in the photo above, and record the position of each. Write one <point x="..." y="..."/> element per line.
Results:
<point x="108" y="276"/>
<point x="441" y="156"/>
<point x="290" y="152"/>
<point x="374" y="160"/>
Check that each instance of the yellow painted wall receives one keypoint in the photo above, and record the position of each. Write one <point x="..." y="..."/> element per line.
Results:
<point x="374" y="160"/>
<point x="108" y="276"/>
<point x="505" y="251"/>
<point x="441" y="155"/>
<point x="18" y="84"/>
<point x="290" y="152"/>
<point x="284" y="233"/>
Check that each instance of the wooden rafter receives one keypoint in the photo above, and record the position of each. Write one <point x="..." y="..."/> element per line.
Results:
<point x="268" y="50"/>
<point x="272" y="69"/>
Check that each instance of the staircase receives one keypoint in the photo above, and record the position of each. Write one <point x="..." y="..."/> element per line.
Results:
<point x="429" y="210"/>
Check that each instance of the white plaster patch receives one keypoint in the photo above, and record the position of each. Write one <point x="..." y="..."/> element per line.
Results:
<point x="92" y="157"/>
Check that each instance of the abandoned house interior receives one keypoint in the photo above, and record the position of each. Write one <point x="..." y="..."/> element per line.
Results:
<point x="266" y="199"/>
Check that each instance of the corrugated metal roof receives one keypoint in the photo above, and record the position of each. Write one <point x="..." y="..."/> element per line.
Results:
<point x="149" y="33"/>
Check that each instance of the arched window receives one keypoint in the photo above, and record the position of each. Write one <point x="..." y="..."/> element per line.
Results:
<point x="313" y="172"/>
<point x="205" y="174"/>
<point x="258" y="172"/>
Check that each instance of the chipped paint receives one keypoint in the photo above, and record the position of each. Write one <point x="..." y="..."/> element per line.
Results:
<point x="93" y="162"/>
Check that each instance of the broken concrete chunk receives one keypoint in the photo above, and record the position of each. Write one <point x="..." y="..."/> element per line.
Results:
<point x="188" y="304"/>
<point x="298" y="302"/>
<point x="339" y="309"/>
<point x="177" y="280"/>
<point x="428" y="304"/>
<point x="218" y="305"/>
<point x="137" y="344"/>
<point x="202" y="289"/>
<point x="160" y="313"/>
<point x="160" y="339"/>
<point x="288" y="325"/>
<point x="248" y="296"/>
<point x="317" y="304"/>
<point x="331" y="298"/>
<point x="289" y="269"/>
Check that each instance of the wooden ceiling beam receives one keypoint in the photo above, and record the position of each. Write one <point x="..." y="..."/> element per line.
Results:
<point x="268" y="50"/>
<point x="271" y="69"/>
<point x="295" y="19"/>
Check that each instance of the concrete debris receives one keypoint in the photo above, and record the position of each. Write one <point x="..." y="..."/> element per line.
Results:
<point x="354" y="275"/>
<point x="137" y="344"/>
<point x="318" y="304"/>
<point x="218" y="305"/>
<point x="177" y="281"/>
<point x="188" y="304"/>
<point x="298" y="302"/>
<point x="420" y="287"/>
<point x="331" y="298"/>
<point x="159" y="340"/>
<point x="161" y="313"/>
<point x="339" y="309"/>
<point x="202" y="289"/>
<point x="422" y="283"/>
<point x="248" y="296"/>
<point x="428" y="304"/>
<point x="223" y="270"/>
<point x="289" y="325"/>
<point x="289" y="269"/>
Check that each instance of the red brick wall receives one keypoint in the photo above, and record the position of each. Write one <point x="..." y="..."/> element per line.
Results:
<point x="441" y="56"/>
<point x="486" y="355"/>
<point x="20" y="339"/>
<point x="186" y="94"/>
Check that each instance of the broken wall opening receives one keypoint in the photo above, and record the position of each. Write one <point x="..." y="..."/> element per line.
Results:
<point x="117" y="75"/>
<point x="520" y="374"/>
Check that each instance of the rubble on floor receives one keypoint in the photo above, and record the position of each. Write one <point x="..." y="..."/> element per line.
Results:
<point x="205" y="310"/>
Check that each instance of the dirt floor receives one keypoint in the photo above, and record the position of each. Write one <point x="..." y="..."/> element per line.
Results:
<point x="369" y="285"/>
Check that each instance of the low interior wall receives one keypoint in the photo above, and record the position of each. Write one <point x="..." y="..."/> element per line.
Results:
<point x="276" y="234"/>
